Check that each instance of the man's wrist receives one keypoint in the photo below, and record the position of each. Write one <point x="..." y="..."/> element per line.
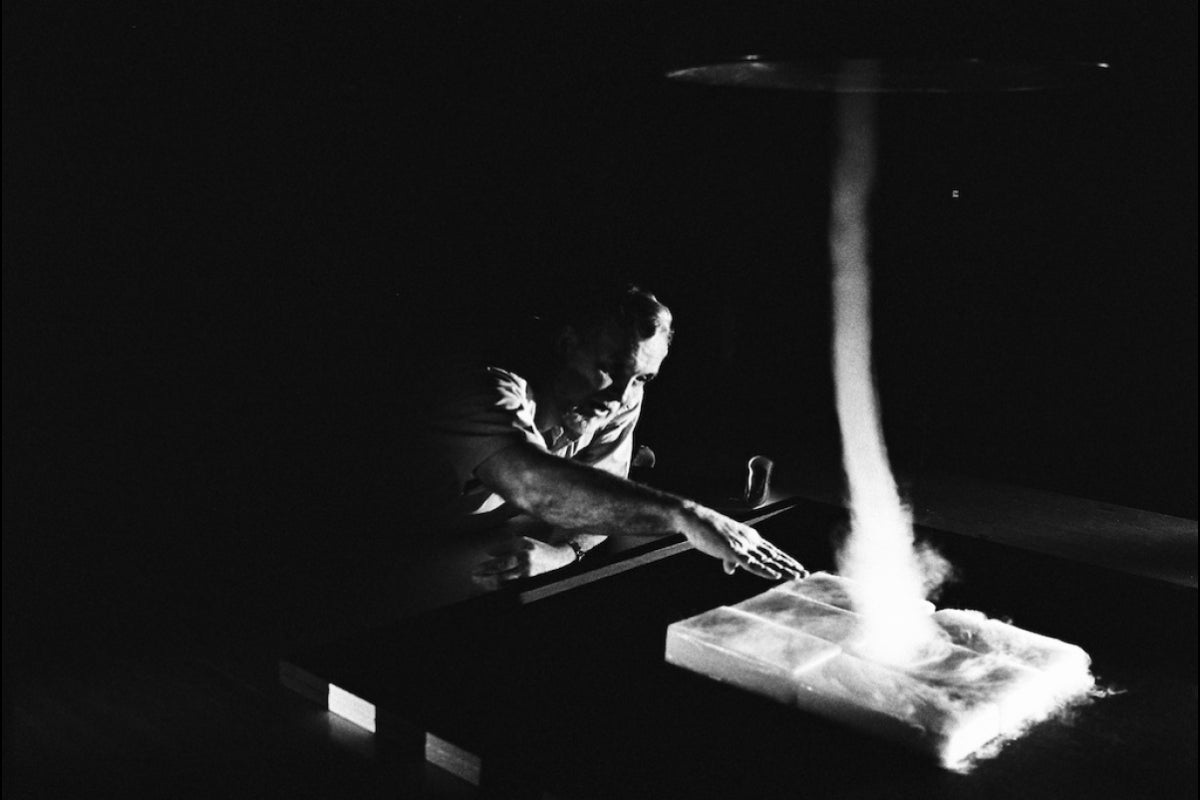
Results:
<point x="682" y="514"/>
<point x="578" y="550"/>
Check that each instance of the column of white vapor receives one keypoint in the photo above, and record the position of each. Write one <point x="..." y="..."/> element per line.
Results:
<point x="879" y="552"/>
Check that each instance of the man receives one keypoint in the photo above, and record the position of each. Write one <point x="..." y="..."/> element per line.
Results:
<point x="554" y="439"/>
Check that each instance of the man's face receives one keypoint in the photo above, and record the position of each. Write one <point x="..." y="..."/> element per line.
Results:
<point x="603" y="372"/>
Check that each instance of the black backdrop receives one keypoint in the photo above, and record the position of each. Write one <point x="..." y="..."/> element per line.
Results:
<point x="233" y="237"/>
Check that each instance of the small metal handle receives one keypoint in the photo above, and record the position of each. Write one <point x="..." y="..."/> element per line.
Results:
<point x="758" y="480"/>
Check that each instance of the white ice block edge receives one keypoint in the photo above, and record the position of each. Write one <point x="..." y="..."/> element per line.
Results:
<point x="796" y="643"/>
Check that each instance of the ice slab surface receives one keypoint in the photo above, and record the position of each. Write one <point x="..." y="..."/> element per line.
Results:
<point x="982" y="679"/>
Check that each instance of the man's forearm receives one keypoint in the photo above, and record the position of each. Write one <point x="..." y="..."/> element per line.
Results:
<point x="574" y="496"/>
<point x="578" y="497"/>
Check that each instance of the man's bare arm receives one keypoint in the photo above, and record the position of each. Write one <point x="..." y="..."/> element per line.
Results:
<point x="573" y="496"/>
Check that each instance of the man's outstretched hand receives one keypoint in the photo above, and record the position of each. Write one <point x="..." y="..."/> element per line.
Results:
<point x="521" y="557"/>
<point x="737" y="545"/>
<point x="733" y="543"/>
<point x="574" y="496"/>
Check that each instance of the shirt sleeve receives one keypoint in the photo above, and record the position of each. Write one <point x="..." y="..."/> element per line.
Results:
<point x="491" y="410"/>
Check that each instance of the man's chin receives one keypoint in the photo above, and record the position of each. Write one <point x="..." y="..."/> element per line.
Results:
<point x="579" y="420"/>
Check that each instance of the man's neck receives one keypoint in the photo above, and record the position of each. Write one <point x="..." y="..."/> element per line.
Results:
<point x="547" y="415"/>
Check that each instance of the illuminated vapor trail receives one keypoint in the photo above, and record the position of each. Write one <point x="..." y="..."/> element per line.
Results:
<point x="879" y="553"/>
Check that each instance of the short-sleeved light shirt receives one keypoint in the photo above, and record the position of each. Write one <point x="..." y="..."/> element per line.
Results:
<point x="493" y="408"/>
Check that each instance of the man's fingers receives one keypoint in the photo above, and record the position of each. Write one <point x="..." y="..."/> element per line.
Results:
<point x="784" y="562"/>
<point x="511" y="547"/>
<point x="780" y="560"/>
<point x="498" y="564"/>
<point x="494" y="580"/>
<point x="488" y="582"/>
<point x="765" y="564"/>
<point x="756" y="561"/>
<point x="502" y="568"/>
<point x="793" y="566"/>
<point x="763" y="572"/>
<point x="755" y="568"/>
<point x="751" y="564"/>
<point x="767" y="561"/>
<point x="739" y="545"/>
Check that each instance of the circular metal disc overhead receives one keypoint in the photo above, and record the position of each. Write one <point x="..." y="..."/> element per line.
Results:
<point x="863" y="75"/>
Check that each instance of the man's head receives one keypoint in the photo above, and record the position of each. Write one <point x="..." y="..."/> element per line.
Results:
<point x="609" y="350"/>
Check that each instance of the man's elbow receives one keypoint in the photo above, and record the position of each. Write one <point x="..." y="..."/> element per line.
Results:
<point x="520" y="474"/>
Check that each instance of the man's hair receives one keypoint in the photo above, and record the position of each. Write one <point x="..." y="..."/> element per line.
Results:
<point x="634" y="310"/>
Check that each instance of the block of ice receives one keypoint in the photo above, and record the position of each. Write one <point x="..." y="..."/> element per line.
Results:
<point x="834" y="590"/>
<point x="1068" y="664"/>
<point x="799" y="613"/>
<point x="973" y="630"/>
<point x="979" y="679"/>
<point x="749" y="651"/>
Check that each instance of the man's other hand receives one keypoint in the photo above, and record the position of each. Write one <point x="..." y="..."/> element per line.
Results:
<point x="521" y="557"/>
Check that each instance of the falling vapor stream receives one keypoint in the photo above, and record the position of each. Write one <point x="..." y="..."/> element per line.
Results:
<point x="879" y="553"/>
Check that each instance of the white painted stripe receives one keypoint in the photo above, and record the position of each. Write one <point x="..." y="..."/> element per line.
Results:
<point x="351" y="707"/>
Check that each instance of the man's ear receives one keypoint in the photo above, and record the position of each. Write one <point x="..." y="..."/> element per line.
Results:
<point x="568" y="340"/>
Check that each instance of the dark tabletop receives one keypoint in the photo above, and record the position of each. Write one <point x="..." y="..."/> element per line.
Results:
<point x="572" y="691"/>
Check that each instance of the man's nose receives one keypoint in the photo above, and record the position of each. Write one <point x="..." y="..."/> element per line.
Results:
<point x="622" y="388"/>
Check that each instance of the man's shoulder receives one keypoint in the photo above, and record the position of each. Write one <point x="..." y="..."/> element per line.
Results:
<point x="483" y="399"/>
<point x="502" y="376"/>
<point x="468" y="378"/>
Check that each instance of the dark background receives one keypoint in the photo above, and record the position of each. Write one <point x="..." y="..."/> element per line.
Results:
<point x="231" y="234"/>
<point x="234" y="237"/>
